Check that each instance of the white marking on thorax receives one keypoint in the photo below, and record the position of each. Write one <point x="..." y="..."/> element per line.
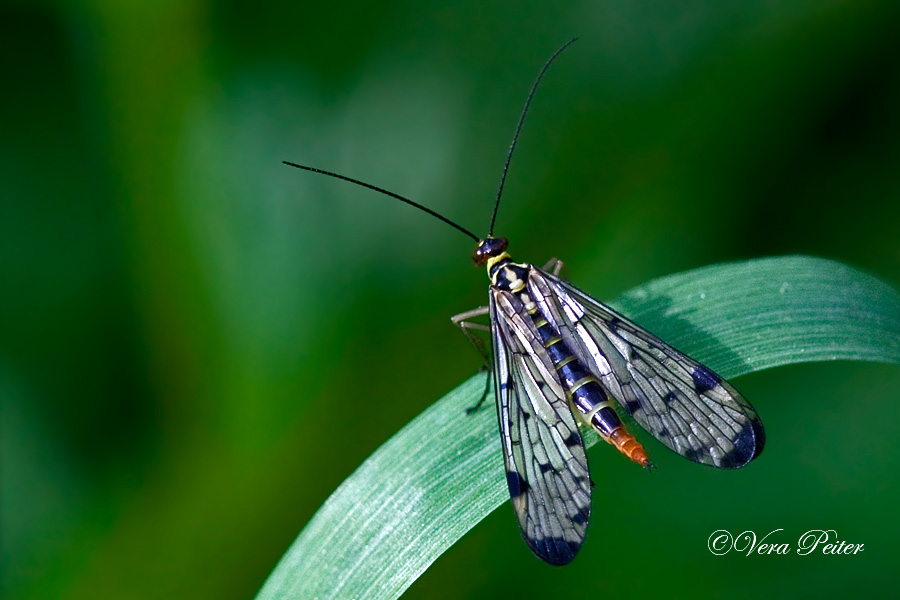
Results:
<point x="515" y="284"/>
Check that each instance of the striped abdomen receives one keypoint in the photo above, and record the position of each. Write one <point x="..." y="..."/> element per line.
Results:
<point x="585" y="394"/>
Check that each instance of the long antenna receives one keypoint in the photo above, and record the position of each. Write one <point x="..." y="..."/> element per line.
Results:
<point x="386" y="193"/>
<point x="512" y="146"/>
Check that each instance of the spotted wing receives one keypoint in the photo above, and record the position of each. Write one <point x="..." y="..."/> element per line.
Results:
<point x="676" y="399"/>
<point x="546" y="466"/>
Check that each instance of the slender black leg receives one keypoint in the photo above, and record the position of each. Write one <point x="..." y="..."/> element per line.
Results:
<point x="469" y="328"/>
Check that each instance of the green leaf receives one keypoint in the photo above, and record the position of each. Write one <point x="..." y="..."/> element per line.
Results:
<point x="441" y="474"/>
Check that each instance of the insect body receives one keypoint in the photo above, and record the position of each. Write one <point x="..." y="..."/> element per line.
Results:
<point x="561" y="360"/>
<point x="510" y="297"/>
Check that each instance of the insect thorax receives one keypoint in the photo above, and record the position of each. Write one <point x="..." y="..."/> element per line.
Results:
<point x="507" y="275"/>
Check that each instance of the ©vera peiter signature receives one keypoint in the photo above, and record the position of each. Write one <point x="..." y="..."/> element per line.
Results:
<point x="824" y="541"/>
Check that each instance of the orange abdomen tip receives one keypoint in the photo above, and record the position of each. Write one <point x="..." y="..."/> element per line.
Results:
<point x="629" y="446"/>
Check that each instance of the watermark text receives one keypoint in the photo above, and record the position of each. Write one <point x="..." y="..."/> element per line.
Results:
<point x="824" y="541"/>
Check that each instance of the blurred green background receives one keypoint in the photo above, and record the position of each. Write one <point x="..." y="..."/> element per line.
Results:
<point x="199" y="344"/>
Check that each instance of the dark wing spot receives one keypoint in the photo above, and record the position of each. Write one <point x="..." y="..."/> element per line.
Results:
<point x="580" y="518"/>
<point x="731" y="460"/>
<point x="516" y="484"/>
<point x="670" y="397"/>
<point x="691" y="455"/>
<point x="748" y="443"/>
<point x="546" y="467"/>
<point x="632" y="406"/>
<point x="526" y="416"/>
<point x="704" y="379"/>
<point x="573" y="440"/>
<point x="556" y="551"/>
<point x="614" y="324"/>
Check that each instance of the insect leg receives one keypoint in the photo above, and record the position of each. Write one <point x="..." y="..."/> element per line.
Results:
<point x="469" y="328"/>
<point x="554" y="265"/>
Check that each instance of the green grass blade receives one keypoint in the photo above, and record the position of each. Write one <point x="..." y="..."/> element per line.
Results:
<point x="441" y="474"/>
